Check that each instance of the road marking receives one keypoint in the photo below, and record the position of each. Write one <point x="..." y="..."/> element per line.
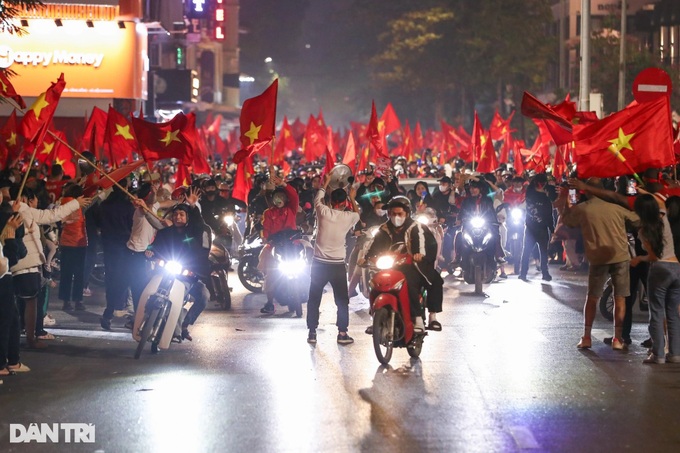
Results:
<point x="118" y="336"/>
<point x="524" y="438"/>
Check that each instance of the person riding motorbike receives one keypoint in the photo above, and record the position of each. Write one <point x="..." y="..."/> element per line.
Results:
<point x="418" y="241"/>
<point x="478" y="204"/>
<point x="212" y="204"/>
<point x="279" y="217"/>
<point x="185" y="241"/>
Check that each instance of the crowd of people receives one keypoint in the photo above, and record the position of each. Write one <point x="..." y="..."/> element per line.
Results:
<point x="613" y="229"/>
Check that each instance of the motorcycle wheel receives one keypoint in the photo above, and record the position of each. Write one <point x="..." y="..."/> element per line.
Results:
<point x="98" y="275"/>
<point x="146" y="331"/>
<point x="246" y="268"/>
<point x="607" y="303"/>
<point x="382" y="336"/>
<point x="479" y="287"/>
<point x="415" y="350"/>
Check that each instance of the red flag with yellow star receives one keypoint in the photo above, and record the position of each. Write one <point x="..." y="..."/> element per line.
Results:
<point x="51" y="150"/>
<point x="243" y="179"/>
<point x="258" y="117"/>
<point x="120" y="137"/>
<point x="95" y="131"/>
<point x="38" y="118"/>
<point x="163" y="140"/>
<point x="389" y="120"/>
<point x="182" y="176"/>
<point x="629" y="141"/>
<point x="9" y="140"/>
<point x="500" y="127"/>
<point x="350" y="156"/>
<point x="7" y="91"/>
<point x="487" y="162"/>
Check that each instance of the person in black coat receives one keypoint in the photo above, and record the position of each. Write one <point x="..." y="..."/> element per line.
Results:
<point x="539" y="225"/>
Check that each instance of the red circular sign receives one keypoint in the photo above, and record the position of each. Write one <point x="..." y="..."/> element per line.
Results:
<point x="650" y="84"/>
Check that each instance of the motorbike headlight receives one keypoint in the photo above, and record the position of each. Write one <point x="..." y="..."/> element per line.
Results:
<point x="516" y="214"/>
<point x="486" y="239"/>
<point x="173" y="267"/>
<point x="228" y="219"/>
<point x="385" y="262"/>
<point x="477" y="222"/>
<point x="425" y="220"/>
<point x="292" y="269"/>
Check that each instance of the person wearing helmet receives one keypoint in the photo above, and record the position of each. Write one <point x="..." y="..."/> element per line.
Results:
<point x="185" y="241"/>
<point x="418" y="241"/>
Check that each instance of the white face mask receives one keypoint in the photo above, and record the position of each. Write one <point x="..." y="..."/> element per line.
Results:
<point x="12" y="179"/>
<point x="443" y="188"/>
<point x="397" y="221"/>
<point x="380" y="212"/>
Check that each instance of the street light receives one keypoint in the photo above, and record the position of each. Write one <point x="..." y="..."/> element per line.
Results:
<point x="268" y="60"/>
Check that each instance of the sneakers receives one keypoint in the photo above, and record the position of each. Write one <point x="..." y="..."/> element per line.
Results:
<point x="672" y="358"/>
<point x="80" y="306"/>
<point x="547" y="278"/>
<point x="418" y="325"/>
<point x="653" y="358"/>
<point x="87" y="292"/>
<point x="618" y="345"/>
<point x="503" y="275"/>
<point x="268" y="309"/>
<point x="585" y="343"/>
<point x="523" y="278"/>
<point x="343" y="338"/>
<point x="49" y="321"/>
<point x="186" y="335"/>
<point x="311" y="338"/>
<point x="105" y="323"/>
<point x="647" y="343"/>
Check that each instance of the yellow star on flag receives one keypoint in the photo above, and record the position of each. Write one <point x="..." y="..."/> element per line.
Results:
<point x="381" y="125"/>
<point x="253" y="133"/>
<point x="482" y="140"/>
<point x="60" y="161"/>
<point x="4" y="87"/>
<point x="39" y="104"/>
<point x="171" y="136"/>
<point x="124" y="131"/>
<point x="623" y="140"/>
<point x="286" y="133"/>
<point x="12" y="140"/>
<point x="47" y="148"/>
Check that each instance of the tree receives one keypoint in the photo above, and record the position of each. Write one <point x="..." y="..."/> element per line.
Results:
<point x="9" y="9"/>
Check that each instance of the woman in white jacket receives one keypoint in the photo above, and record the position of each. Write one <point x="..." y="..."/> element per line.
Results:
<point x="27" y="273"/>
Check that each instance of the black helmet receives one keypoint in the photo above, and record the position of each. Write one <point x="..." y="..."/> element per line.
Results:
<point x="181" y="207"/>
<point x="400" y="201"/>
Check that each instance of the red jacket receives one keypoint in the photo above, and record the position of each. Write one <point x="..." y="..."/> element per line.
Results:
<point x="279" y="219"/>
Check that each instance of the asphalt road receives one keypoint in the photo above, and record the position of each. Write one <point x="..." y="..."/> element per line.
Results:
<point x="504" y="375"/>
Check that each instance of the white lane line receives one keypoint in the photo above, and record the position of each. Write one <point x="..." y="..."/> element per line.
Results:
<point x="524" y="438"/>
<point x="118" y="336"/>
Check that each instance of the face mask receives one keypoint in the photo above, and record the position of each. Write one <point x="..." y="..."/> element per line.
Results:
<point x="443" y="188"/>
<point x="12" y="178"/>
<point x="380" y="212"/>
<point x="397" y="221"/>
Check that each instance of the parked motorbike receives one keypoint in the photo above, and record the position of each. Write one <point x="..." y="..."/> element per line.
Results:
<point x="515" y="225"/>
<point x="390" y="306"/>
<point x="160" y="312"/>
<point x="478" y="253"/>
<point x="607" y="299"/>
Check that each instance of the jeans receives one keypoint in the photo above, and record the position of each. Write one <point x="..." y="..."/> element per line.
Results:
<point x="72" y="272"/>
<point x="138" y="274"/>
<point x="336" y="275"/>
<point x="201" y="297"/>
<point x="637" y="274"/>
<point x="663" y="290"/>
<point x="10" y="331"/>
<point x="535" y="236"/>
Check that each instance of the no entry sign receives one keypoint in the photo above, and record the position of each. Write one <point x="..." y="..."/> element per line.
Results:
<point x="650" y="84"/>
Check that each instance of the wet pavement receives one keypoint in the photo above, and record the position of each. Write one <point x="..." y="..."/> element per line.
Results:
<point x="504" y="375"/>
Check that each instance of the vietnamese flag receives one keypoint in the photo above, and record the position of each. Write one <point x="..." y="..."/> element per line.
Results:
<point x="116" y="175"/>
<point x="119" y="137"/>
<point x="407" y="147"/>
<point x="500" y="127"/>
<point x="38" y="118"/>
<point x="94" y="136"/>
<point x="363" y="160"/>
<point x="258" y="117"/>
<point x="417" y="137"/>
<point x="9" y="143"/>
<point x="163" y="140"/>
<point x="373" y="134"/>
<point x="350" y="156"/>
<point x="389" y="121"/>
<point x="182" y="176"/>
<point x="53" y="150"/>
<point x="7" y="91"/>
<point x="557" y="123"/>
<point x="629" y="141"/>
<point x="330" y="162"/>
<point x="487" y="160"/>
<point x="314" y="142"/>
<point x="243" y="179"/>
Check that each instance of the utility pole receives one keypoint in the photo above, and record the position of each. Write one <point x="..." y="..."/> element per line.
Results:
<point x="622" y="55"/>
<point x="584" y="82"/>
<point x="562" y="47"/>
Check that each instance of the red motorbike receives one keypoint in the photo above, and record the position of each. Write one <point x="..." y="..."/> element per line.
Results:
<point x="392" y="324"/>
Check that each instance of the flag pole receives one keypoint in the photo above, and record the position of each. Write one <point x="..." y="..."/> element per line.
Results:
<point x="614" y="150"/>
<point x="28" y="170"/>
<point x="102" y="172"/>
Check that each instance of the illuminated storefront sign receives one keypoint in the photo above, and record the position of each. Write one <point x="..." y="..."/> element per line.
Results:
<point x="219" y="19"/>
<point x="104" y="61"/>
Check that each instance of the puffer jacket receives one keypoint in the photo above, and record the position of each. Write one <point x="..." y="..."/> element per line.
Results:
<point x="33" y="218"/>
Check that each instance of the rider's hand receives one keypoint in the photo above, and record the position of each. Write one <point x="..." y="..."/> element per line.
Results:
<point x="83" y="201"/>
<point x="192" y="198"/>
<point x="148" y="254"/>
<point x="418" y="257"/>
